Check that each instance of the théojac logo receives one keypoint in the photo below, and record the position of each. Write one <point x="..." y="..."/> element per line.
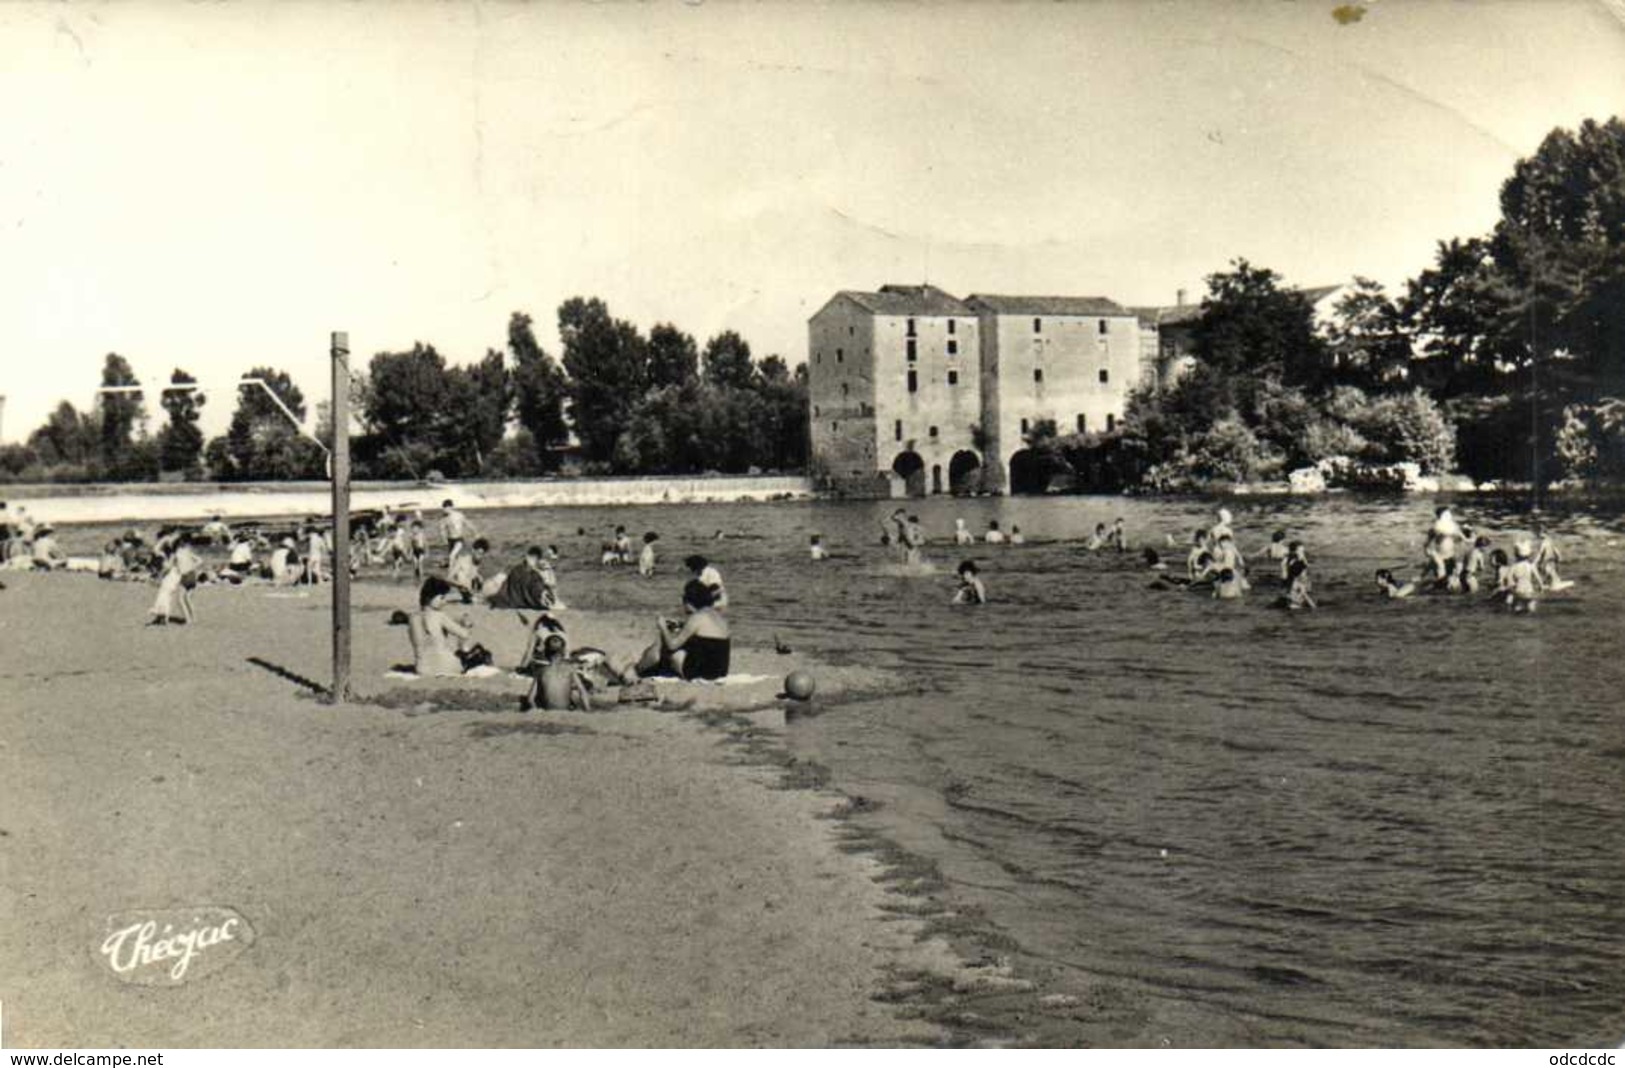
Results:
<point x="168" y="947"/>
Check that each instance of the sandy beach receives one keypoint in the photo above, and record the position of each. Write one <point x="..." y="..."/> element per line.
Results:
<point x="437" y="869"/>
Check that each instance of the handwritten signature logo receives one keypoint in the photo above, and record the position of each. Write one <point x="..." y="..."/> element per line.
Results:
<point x="165" y="947"/>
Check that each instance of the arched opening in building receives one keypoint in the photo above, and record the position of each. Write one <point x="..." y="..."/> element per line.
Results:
<point x="964" y="472"/>
<point x="1028" y="473"/>
<point x="911" y="469"/>
<point x="936" y="478"/>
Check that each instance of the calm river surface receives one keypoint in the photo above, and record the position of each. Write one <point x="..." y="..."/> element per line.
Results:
<point x="1382" y="823"/>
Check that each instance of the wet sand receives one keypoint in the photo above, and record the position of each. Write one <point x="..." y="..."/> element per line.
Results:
<point x="437" y="869"/>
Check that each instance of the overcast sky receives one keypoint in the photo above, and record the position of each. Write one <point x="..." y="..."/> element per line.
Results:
<point x="217" y="186"/>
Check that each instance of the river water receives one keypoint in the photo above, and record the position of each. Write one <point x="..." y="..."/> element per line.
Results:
<point x="1381" y="823"/>
<point x="1215" y="823"/>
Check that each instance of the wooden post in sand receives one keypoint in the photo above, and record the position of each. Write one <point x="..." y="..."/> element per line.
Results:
<point x="341" y="516"/>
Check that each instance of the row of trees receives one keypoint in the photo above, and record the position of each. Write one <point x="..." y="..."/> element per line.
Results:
<point x="1505" y="358"/>
<point x="633" y="404"/>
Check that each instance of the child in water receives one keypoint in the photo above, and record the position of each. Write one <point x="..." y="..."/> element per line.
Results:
<point x="995" y="536"/>
<point x="1546" y="559"/>
<point x="1118" y="538"/>
<point x="1016" y="537"/>
<point x="1391" y="588"/>
<point x="1472" y="569"/>
<point x="1523" y="582"/>
<point x="963" y="536"/>
<point x="1228" y="585"/>
<point x="556" y="682"/>
<point x="913" y="540"/>
<point x="1297" y="590"/>
<point x="971" y="590"/>
<point x="815" y="547"/>
<point x="646" y="557"/>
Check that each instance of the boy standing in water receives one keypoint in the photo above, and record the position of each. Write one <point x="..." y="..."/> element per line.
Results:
<point x="646" y="558"/>
<point x="995" y="536"/>
<point x="815" y="547"/>
<point x="971" y="590"/>
<point x="1523" y="582"/>
<point x="1118" y="539"/>
<point x="913" y="540"/>
<point x="1297" y="591"/>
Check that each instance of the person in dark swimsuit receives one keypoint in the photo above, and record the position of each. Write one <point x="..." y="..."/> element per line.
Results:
<point x="697" y="647"/>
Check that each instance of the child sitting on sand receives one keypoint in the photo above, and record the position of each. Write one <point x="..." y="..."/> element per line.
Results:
<point x="971" y="590"/>
<point x="464" y="573"/>
<point x="556" y="681"/>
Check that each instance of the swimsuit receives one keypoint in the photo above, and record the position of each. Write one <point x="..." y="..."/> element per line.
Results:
<point x="707" y="657"/>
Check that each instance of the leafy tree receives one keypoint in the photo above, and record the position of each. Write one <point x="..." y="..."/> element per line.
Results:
<point x="1369" y="344"/>
<point x="180" y="442"/>
<point x="673" y="357"/>
<point x="67" y="437"/>
<point x="474" y="412"/>
<point x="120" y="415"/>
<point x="727" y="361"/>
<point x="237" y="455"/>
<point x="540" y="389"/>
<point x="406" y="401"/>
<point x="607" y="361"/>
<point x="1252" y="327"/>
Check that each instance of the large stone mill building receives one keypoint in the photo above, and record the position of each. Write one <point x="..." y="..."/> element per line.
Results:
<point x="913" y="390"/>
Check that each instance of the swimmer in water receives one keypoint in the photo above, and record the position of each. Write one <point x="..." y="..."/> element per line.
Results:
<point x="1523" y="582"/>
<point x="1198" y="550"/>
<point x="1297" y="589"/>
<point x="995" y="536"/>
<point x="815" y="547"/>
<point x="963" y="536"/>
<point x="1118" y="538"/>
<point x="1276" y="550"/>
<point x="1152" y="561"/>
<point x="1472" y="569"/>
<point x="1017" y="537"/>
<point x="1441" y="543"/>
<point x="1097" y="541"/>
<point x="913" y="540"/>
<point x="1228" y="585"/>
<point x="971" y="590"/>
<point x="1546" y="559"/>
<point x="1392" y="589"/>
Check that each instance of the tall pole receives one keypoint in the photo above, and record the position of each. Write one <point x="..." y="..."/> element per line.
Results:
<point x="341" y="516"/>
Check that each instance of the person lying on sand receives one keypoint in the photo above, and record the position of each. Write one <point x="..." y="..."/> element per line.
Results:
<point x="697" y="647"/>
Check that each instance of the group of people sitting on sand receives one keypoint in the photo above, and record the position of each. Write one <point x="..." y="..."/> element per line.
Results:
<point x="695" y="645"/>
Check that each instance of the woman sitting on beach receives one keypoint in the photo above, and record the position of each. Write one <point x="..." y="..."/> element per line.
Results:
<point x="437" y="639"/>
<point x="698" y="647"/>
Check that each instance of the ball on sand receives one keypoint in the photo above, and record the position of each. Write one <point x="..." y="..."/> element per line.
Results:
<point x="799" y="684"/>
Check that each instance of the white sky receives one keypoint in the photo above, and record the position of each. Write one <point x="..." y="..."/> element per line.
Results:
<point x="216" y="186"/>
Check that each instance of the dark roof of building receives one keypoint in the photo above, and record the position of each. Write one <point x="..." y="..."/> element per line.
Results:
<point x="1002" y="305"/>
<point x="1177" y="314"/>
<point x="1169" y="314"/>
<point x="907" y="300"/>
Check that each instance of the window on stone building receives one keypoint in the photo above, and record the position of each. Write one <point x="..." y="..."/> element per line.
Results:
<point x="1038" y="326"/>
<point x="897" y="430"/>
<point x="835" y="426"/>
<point x="911" y="328"/>
<point x="933" y="432"/>
<point x="953" y="347"/>
<point x="845" y="390"/>
<point x="913" y="382"/>
<point x="1083" y="423"/>
<point x="913" y="351"/>
<point x="1102" y="326"/>
<point x="1111" y="422"/>
<point x="815" y="411"/>
<point x="951" y="325"/>
<point x="840" y="354"/>
<point x="1105" y="376"/>
<point x="953" y="378"/>
<point x="1038" y="374"/>
<point x="1024" y="426"/>
<point x="818" y="357"/>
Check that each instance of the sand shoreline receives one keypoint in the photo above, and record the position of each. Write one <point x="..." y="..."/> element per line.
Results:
<point x="423" y="874"/>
